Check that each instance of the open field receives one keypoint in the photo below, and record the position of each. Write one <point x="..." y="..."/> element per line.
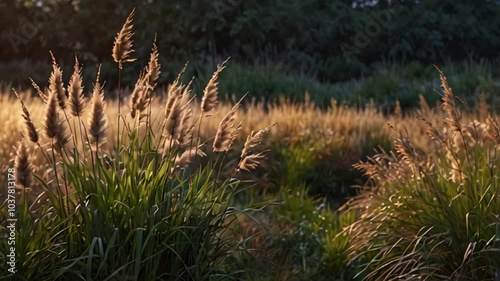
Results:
<point x="176" y="183"/>
<point x="295" y="231"/>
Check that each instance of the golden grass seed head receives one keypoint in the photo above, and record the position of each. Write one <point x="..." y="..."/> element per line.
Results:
<point x="24" y="170"/>
<point x="122" y="48"/>
<point x="75" y="90"/>
<point x="254" y="140"/>
<point x="227" y="132"/>
<point x="252" y="161"/>
<point x="51" y="117"/>
<point x="56" y="83"/>
<point x="210" y="100"/>
<point x="98" y="122"/>
<point x="28" y="123"/>
<point x="153" y="69"/>
<point x="42" y="95"/>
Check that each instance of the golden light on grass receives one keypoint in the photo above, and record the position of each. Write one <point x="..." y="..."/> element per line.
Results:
<point x="227" y="132"/>
<point x="98" y="123"/>
<point x="24" y="170"/>
<point x="122" y="48"/>
<point x="56" y="83"/>
<point x="75" y="90"/>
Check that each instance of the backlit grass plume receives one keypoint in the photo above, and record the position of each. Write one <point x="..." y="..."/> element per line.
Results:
<point x="227" y="131"/>
<point x="28" y="123"/>
<point x="75" y="90"/>
<point x="98" y="123"/>
<point x="122" y="48"/>
<point x="51" y="121"/>
<point x="56" y="83"/>
<point x="24" y="170"/>
<point x="210" y="100"/>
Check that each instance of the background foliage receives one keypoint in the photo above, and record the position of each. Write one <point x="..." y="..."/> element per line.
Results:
<point x="306" y="35"/>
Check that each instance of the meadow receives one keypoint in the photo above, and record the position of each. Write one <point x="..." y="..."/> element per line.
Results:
<point x="176" y="184"/>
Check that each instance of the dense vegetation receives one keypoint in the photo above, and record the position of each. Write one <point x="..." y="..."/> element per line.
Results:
<point x="329" y="40"/>
<point x="158" y="185"/>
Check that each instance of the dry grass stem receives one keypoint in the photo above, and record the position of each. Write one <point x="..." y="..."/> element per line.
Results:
<point x="122" y="48"/>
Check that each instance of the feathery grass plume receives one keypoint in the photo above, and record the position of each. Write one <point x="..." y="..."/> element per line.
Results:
<point x="209" y="100"/>
<point x="254" y="140"/>
<point x="51" y="117"/>
<point x="30" y="127"/>
<point x="75" y="90"/>
<point x="39" y="91"/>
<point x="448" y="105"/>
<point x="139" y="98"/>
<point x="122" y="48"/>
<point x="56" y="83"/>
<point x="98" y="121"/>
<point x="252" y="161"/>
<point x="153" y="69"/>
<point x="175" y="120"/>
<point x="226" y="133"/>
<point x="432" y="132"/>
<point x="24" y="170"/>
<point x="405" y="149"/>
<point x="187" y="157"/>
<point x="55" y="128"/>
<point x="186" y="127"/>
<point x="174" y="92"/>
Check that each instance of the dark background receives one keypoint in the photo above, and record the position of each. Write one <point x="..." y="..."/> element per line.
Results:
<point x="324" y="41"/>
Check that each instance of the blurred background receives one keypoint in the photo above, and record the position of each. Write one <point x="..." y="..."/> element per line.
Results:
<point x="354" y="51"/>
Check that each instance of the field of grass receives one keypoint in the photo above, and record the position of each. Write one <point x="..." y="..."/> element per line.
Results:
<point x="176" y="185"/>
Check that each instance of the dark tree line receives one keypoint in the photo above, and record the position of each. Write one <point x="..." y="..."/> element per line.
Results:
<point x="318" y="35"/>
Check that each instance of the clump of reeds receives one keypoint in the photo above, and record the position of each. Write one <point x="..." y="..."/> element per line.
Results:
<point x="95" y="192"/>
<point x="416" y="202"/>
